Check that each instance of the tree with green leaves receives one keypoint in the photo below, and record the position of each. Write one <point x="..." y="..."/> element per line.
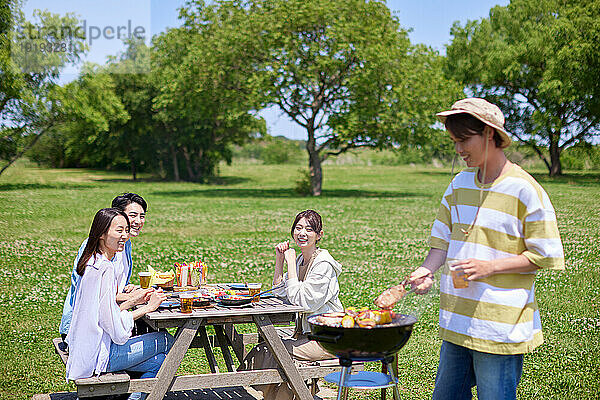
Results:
<point x="140" y="138"/>
<point x="346" y="72"/>
<point x="206" y="102"/>
<point x="538" y="60"/>
<point x="31" y="57"/>
<point x="85" y="112"/>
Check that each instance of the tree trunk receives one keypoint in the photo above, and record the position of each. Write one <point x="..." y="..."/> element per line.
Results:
<point x="133" y="169"/>
<point x="30" y="145"/>
<point x="175" y="166"/>
<point x="555" y="166"/>
<point x="314" y="164"/>
<point x="188" y="164"/>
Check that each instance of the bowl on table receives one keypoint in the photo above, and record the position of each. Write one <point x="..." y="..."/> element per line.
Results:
<point x="166" y="285"/>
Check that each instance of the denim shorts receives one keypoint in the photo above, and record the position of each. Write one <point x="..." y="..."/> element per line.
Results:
<point x="495" y="375"/>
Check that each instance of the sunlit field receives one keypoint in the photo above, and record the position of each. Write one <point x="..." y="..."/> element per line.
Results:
<point x="376" y="221"/>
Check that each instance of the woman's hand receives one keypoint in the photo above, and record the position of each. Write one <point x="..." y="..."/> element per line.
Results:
<point x="140" y="296"/>
<point x="290" y="257"/>
<point x="156" y="298"/>
<point x="421" y="279"/>
<point x="280" y="250"/>
<point x="129" y="288"/>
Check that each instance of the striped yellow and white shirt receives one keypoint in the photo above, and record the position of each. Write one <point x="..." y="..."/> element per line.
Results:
<point x="497" y="314"/>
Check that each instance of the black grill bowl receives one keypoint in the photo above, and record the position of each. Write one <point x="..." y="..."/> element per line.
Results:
<point x="363" y="344"/>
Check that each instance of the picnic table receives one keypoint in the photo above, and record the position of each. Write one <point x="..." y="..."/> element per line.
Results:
<point x="191" y="332"/>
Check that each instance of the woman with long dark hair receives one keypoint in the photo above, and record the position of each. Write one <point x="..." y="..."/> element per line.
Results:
<point x="100" y="334"/>
<point x="311" y="281"/>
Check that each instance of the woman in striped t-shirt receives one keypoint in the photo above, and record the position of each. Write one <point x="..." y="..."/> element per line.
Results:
<point x="497" y="225"/>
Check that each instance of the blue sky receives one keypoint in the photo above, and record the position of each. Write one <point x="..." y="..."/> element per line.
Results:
<point x="430" y="21"/>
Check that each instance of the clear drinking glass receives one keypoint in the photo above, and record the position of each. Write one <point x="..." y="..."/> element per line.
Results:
<point x="187" y="301"/>
<point x="254" y="288"/>
<point x="459" y="278"/>
<point x="145" y="279"/>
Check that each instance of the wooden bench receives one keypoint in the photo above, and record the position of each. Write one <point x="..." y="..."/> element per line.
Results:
<point x="108" y="383"/>
<point x="114" y="383"/>
<point x="232" y="393"/>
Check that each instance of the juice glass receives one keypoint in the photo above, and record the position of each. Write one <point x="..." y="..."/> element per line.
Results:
<point x="254" y="288"/>
<point x="459" y="278"/>
<point x="187" y="301"/>
<point x="145" y="279"/>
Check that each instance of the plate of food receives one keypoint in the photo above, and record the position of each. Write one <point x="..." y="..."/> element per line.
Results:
<point x="200" y="301"/>
<point x="238" y="286"/>
<point x="214" y="292"/>
<point x="234" y="300"/>
<point x="169" y="304"/>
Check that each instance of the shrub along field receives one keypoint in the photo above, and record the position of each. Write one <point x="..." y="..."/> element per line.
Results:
<point x="376" y="221"/>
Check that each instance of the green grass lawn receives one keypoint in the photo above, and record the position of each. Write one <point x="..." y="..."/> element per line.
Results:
<point x="376" y="221"/>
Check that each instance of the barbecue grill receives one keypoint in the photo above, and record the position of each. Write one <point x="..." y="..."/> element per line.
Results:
<point x="380" y="343"/>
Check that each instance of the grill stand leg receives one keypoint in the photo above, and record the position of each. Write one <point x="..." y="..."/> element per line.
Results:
<point x="388" y="368"/>
<point x="346" y="369"/>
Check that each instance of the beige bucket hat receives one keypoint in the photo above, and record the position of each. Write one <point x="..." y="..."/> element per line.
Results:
<point x="484" y="111"/>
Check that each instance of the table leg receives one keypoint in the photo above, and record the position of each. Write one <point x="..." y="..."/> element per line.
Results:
<point x="224" y="344"/>
<point x="167" y="371"/>
<point x="237" y="342"/>
<point x="210" y="356"/>
<point x="275" y="345"/>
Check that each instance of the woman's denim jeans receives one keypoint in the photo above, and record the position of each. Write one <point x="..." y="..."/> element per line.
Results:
<point x="144" y="353"/>
<point x="496" y="375"/>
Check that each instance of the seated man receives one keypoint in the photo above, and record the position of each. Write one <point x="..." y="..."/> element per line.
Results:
<point x="135" y="207"/>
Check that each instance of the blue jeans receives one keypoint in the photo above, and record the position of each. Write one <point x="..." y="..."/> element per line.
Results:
<point x="144" y="353"/>
<point x="496" y="375"/>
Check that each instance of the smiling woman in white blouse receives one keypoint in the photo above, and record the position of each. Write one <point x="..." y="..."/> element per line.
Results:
<point x="99" y="338"/>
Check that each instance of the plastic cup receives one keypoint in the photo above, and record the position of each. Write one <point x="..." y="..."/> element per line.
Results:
<point x="145" y="279"/>
<point x="254" y="288"/>
<point x="187" y="302"/>
<point x="459" y="278"/>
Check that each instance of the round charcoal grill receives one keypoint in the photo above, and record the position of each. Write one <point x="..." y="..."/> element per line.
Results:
<point x="363" y="344"/>
<point x="380" y="343"/>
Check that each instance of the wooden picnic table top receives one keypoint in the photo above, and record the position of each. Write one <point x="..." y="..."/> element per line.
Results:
<point x="271" y="305"/>
<point x="263" y="314"/>
<point x="280" y="310"/>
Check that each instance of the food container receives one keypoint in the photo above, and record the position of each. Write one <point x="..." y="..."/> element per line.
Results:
<point x="191" y="274"/>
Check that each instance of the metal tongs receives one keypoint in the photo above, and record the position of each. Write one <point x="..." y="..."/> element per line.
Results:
<point x="411" y="287"/>
<point x="268" y="291"/>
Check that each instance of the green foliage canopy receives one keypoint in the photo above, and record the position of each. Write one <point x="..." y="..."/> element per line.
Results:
<point x="206" y="100"/>
<point x="29" y="69"/>
<point x="539" y="61"/>
<point x="344" y="71"/>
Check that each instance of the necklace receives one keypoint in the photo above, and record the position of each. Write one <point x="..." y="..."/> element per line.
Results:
<point x="467" y="231"/>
